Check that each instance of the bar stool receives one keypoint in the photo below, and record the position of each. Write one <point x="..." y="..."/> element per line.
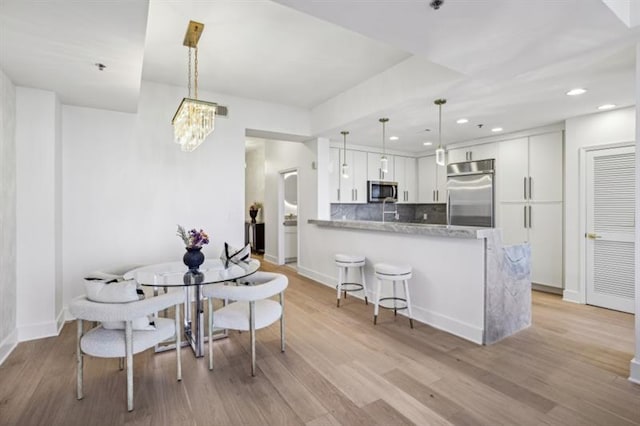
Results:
<point x="393" y="273"/>
<point x="344" y="262"/>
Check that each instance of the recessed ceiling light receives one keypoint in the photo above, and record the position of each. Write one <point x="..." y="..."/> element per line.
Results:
<point x="394" y="138"/>
<point x="576" y="92"/>
<point x="427" y="143"/>
<point x="496" y="129"/>
<point x="462" y="121"/>
<point x="606" y="106"/>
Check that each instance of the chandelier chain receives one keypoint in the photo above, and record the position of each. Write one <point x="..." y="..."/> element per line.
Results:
<point x="189" y="76"/>
<point x="195" y="75"/>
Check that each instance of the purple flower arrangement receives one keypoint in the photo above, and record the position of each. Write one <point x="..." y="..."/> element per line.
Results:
<point x="193" y="238"/>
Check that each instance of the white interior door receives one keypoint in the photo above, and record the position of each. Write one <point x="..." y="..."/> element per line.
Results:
<point x="610" y="229"/>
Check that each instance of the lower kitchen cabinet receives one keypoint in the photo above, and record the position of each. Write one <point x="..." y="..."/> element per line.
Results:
<point x="254" y="235"/>
<point x="541" y="225"/>
<point x="290" y="243"/>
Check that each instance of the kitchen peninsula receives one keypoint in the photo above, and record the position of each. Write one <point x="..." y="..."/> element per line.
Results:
<point x="464" y="280"/>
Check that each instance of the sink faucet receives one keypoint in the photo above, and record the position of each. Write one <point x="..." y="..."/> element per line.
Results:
<point x="384" y="210"/>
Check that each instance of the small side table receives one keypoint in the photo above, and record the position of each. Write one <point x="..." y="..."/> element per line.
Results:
<point x="254" y="235"/>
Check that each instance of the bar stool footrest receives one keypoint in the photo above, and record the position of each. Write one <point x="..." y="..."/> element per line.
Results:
<point x="397" y="299"/>
<point x="354" y="287"/>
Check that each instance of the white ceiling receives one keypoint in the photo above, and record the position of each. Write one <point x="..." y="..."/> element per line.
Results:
<point x="54" y="45"/>
<point x="261" y="50"/>
<point x="509" y="61"/>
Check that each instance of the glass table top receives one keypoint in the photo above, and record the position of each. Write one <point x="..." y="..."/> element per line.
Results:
<point x="176" y="274"/>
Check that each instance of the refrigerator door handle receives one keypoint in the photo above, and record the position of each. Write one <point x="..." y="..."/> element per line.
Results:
<point x="529" y="215"/>
<point x="448" y="208"/>
<point x="530" y="196"/>
<point x="525" y="217"/>
<point x="524" y="187"/>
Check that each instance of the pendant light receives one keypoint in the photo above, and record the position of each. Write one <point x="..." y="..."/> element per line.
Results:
<point x="440" y="160"/>
<point x="194" y="120"/>
<point x="345" y="166"/>
<point x="384" y="162"/>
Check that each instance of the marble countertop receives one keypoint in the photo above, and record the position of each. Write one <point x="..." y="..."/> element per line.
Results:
<point x="409" y="228"/>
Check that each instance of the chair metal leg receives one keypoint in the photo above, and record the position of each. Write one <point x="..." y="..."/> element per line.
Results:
<point x="121" y="363"/>
<point x="282" y="322"/>
<point x="339" y="286"/>
<point x="210" y="344"/>
<point x="376" y="301"/>
<point x="128" y="338"/>
<point x="395" y="301"/>
<point x="406" y="296"/>
<point x="364" y="285"/>
<point x="178" y="345"/>
<point x="252" y="331"/>
<point x="346" y="279"/>
<point x="79" y="360"/>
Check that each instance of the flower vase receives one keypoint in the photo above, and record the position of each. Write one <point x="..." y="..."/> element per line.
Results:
<point x="193" y="258"/>
<point x="253" y="213"/>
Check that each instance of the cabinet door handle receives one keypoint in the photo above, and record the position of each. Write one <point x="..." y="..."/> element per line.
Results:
<point x="530" y="216"/>
<point x="525" y="216"/>
<point x="356" y="194"/>
<point x="338" y="194"/>
<point x="530" y="193"/>
<point x="352" y="196"/>
<point x="524" y="187"/>
<point x="470" y="155"/>
<point x="437" y="195"/>
<point x="433" y="195"/>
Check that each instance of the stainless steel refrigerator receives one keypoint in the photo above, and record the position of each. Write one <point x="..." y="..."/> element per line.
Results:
<point x="470" y="189"/>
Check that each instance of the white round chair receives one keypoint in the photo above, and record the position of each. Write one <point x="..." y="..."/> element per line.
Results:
<point x="393" y="273"/>
<point x="250" y="308"/>
<point x="344" y="262"/>
<point x="102" y="343"/>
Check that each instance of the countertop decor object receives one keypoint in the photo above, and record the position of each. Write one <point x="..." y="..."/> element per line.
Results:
<point x="193" y="241"/>
<point x="254" y="209"/>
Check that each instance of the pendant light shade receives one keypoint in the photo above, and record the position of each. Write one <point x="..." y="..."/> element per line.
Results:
<point x="384" y="162"/>
<point x="345" y="167"/>
<point x="440" y="153"/>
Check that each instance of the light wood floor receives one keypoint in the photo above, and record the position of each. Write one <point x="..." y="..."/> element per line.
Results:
<point x="569" y="368"/>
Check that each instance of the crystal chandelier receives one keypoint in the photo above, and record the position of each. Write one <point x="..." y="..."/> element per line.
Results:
<point x="440" y="160"/>
<point x="384" y="161"/>
<point x="194" y="119"/>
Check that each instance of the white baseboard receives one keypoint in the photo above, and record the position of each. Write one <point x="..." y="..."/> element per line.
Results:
<point x="634" y="368"/>
<point x="572" y="296"/>
<point x="37" y="331"/>
<point x="8" y="345"/>
<point x="271" y="259"/>
<point x="60" y="321"/>
<point x="67" y="315"/>
<point x="434" y="319"/>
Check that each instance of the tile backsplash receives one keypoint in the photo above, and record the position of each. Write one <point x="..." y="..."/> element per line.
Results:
<point x="412" y="213"/>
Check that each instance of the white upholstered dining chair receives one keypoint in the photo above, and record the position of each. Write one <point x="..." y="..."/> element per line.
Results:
<point x="250" y="309"/>
<point x="113" y="343"/>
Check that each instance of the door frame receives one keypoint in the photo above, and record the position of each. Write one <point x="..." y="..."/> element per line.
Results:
<point x="582" y="155"/>
<point x="280" y="210"/>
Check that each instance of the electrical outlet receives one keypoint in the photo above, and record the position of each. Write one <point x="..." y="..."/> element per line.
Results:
<point x="344" y="217"/>
<point x="397" y="216"/>
<point x="424" y="216"/>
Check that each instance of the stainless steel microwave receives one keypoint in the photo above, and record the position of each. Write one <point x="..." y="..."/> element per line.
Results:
<point x="378" y="191"/>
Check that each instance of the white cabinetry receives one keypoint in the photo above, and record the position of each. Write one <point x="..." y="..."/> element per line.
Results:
<point x="290" y="243"/>
<point x="472" y="153"/>
<point x="374" y="170"/>
<point x="530" y="182"/>
<point x="432" y="181"/>
<point x="406" y="176"/>
<point x="353" y="189"/>
<point x="334" y="175"/>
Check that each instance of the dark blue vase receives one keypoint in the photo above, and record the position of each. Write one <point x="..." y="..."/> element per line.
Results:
<point x="193" y="258"/>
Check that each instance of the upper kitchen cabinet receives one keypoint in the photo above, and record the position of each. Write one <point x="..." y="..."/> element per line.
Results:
<point x="472" y="153"/>
<point x="353" y="189"/>
<point x="406" y="175"/>
<point x="374" y="170"/>
<point x="531" y="168"/>
<point x="334" y="174"/>
<point x="432" y="181"/>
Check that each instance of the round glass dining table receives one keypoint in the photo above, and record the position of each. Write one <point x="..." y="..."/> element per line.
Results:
<point x="176" y="274"/>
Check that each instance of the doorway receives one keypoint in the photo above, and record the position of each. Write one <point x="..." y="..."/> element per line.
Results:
<point x="288" y="218"/>
<point x="610" y="228"/>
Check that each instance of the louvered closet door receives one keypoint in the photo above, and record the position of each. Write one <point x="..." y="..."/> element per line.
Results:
<point x="610" y="228"/>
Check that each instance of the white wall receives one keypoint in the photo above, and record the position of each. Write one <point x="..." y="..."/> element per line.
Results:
<point x="281" y="156"/>
<point x="254" y="173"/>
<point x="634" y="375"/>
<point x="589" y="130"/>
<point x="38" y="199"/>
<point x="126" y="184"/>
<point x="8" y="288"/>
